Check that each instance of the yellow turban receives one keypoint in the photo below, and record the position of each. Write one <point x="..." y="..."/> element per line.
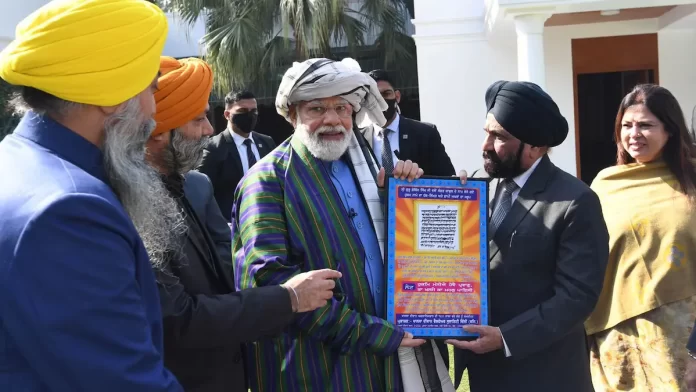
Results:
<point x="97" y="52"/>
<point x="183" y="93"/>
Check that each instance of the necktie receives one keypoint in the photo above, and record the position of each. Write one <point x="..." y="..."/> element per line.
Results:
<point x="250" y="154"/>
<point x="503" y="206"/>
<point x="387" y="160"/>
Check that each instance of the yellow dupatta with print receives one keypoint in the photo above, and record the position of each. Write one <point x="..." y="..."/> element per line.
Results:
<point x="652" y="242"/>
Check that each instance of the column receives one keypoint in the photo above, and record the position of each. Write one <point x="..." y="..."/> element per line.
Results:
<point x="530" y="48"/>
<point x="456" y="63"/>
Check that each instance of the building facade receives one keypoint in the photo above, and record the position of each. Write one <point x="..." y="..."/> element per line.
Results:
<point x="585" y="53"/>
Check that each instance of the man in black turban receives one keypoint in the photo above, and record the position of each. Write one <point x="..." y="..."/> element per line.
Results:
<point x="548" y="251"/>
<point x="519" y="114"/>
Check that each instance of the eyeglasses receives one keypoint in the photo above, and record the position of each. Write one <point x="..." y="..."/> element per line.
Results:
<point x="319" y="111"/>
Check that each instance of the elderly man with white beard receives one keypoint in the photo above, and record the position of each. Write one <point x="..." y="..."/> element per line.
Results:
<point x="314" y="202"/>
<point x="79" y="308"/>
<point x="205" y="319"/>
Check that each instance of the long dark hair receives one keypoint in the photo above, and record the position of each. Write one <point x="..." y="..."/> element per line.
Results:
<point x="679" y="153"/>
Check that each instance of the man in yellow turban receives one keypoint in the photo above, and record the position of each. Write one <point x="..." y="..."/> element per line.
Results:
<point x="79" y="308"/>
<point x="205" y="319"/>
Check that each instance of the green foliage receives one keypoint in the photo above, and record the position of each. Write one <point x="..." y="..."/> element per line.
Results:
<point x="8" y="121"/>
<point x="248" y="41"/>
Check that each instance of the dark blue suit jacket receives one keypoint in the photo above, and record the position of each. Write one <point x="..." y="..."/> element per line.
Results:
<point x="79" y="306"/>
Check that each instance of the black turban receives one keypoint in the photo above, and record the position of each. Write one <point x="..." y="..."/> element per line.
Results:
<point x="527" y="113"/>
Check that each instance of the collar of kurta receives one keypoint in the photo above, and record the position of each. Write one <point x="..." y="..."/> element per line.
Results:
<point x="62" y="141"/>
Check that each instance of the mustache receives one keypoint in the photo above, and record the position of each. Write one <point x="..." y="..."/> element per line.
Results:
<point x="330" y="129"/>
<point x="491" y="155"/>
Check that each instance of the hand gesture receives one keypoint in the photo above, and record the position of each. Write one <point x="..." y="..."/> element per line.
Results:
<point x="490" y="339"/>
<point x="409" y="341"/>
<point x="403" y="170"/>
<point x="310" y="290"/>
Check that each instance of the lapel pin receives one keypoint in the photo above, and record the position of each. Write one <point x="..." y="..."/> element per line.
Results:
<point x="260" y="145"/>
<point x="405" y="137"/>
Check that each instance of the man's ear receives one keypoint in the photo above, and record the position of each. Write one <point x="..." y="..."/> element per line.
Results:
<point x="536" y="152"/>
<point x="292" y="114"/>
<point x="397" y="94"/>
<point x="226" y="113"/>
<point x="109" y="110"/>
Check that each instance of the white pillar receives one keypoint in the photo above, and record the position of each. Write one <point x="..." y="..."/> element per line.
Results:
<point x="456" y="63"/>
<point x="530" y="48"/>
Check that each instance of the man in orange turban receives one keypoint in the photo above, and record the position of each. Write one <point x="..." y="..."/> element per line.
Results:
<point x="205" y="319"/>
<point x="79" y="305"/>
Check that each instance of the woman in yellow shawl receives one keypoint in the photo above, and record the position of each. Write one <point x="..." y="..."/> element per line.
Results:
<point x="640" y="327"/>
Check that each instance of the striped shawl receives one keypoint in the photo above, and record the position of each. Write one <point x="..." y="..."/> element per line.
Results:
<point x="288" y="219"/>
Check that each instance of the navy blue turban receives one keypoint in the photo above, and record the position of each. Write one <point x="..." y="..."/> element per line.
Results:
<point x="527" y="113"/>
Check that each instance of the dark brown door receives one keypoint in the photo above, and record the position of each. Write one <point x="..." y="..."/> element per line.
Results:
<point x="604" y="70"/>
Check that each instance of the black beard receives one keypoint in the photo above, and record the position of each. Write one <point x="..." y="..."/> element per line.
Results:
<point x="509" y="167"/>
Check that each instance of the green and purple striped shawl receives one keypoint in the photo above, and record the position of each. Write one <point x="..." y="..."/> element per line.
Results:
<point x="288" y="219"/>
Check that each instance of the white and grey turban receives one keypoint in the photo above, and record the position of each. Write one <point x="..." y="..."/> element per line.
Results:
<point x="324" y="78"/>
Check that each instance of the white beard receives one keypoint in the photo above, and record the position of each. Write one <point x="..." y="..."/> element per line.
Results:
<point x="326" y="150"/>
<point x="155" y="214"/>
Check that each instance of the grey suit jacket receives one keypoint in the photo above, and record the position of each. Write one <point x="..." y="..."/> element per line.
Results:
<point x="199" y="192"/>
<point x="547" y="264"/>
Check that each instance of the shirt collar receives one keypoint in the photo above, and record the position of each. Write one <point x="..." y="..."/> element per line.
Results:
<point x="65" y="143"/>
<point x="239" y="139"/>
<point x="521" y="179"/>
<point x="394" y="126"/>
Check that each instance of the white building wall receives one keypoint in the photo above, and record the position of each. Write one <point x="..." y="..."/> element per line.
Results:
<point x="456" y="63"/>
<point x="678" y="66"/>
<point x="11" y="13"/>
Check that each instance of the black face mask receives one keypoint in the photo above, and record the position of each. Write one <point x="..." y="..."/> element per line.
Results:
<point x="389" y="113"/>
<point x="245" y="122"/>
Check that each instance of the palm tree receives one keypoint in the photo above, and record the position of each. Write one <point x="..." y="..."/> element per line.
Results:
<point x="251" y="40"/>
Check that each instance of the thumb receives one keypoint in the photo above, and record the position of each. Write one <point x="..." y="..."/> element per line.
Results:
<point x="475" y="329"/>
<point x="380" y="178"/>
<point x="408" y="335"/>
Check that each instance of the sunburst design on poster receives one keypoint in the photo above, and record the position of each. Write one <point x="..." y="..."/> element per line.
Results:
<point x="406" y="227"/>
<point x="468" y="257"/>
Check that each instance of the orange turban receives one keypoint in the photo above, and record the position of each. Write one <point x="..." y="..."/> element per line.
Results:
<point x="183" y="92"/>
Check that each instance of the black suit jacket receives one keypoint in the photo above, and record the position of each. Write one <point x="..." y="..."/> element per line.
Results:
<point x="206" y="321"/>
<point x="221" y="163"/>
<point x="421" y="143"/>
<point x="547" y="264"/>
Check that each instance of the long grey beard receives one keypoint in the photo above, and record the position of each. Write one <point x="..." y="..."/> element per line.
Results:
<point x="184" y="154"/>
<point x="155" y="214"/>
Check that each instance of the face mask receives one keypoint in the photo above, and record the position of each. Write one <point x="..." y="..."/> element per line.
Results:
<point x="245" y="122"/>
<point x="389" y="113"/>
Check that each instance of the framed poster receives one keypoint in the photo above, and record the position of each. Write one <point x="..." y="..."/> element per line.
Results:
<point x="437" y="255"/>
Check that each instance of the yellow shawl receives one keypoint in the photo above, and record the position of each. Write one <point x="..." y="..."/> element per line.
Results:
<point x="652" y="242"/>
